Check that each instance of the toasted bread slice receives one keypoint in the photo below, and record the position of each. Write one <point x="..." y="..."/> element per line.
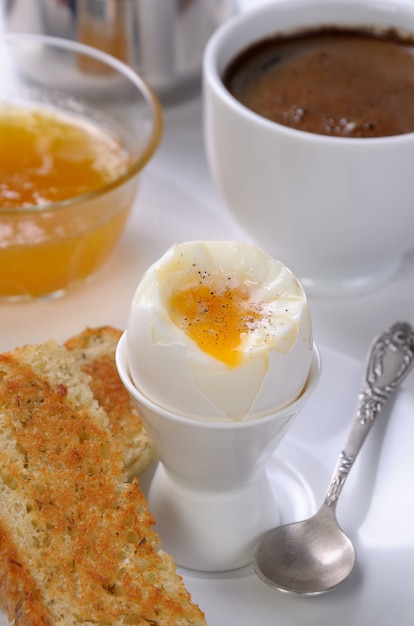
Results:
<point x="94" y="350"/>
<point x="77" y="544"/>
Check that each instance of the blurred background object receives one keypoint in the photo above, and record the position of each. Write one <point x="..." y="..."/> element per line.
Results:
<point x="163" y="40"/>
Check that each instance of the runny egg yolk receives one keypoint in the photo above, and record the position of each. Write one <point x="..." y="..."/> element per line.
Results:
<point x="216" y="319"/>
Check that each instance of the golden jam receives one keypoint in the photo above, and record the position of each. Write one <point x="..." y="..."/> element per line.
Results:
<point x="215" y="319"/>
<point x="47" y="158"/>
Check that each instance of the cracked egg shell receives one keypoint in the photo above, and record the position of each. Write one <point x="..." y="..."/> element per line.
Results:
<point x="219" y="330"/>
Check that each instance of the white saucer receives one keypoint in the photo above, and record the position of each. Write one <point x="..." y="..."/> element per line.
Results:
<point x="376" y="509"/>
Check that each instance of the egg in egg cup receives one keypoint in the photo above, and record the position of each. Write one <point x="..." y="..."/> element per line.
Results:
<point x="218" y="358"/>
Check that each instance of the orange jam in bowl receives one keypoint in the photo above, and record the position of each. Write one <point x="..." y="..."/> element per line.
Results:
<point x="71" y="153"/>
<point x="58" y="222"/>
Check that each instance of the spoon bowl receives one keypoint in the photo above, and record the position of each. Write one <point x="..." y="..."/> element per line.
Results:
<point x="320" y="567"/>
<point x="313" y="556"/>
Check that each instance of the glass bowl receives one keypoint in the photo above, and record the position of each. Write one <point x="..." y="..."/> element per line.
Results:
<point x="77" y="126"/>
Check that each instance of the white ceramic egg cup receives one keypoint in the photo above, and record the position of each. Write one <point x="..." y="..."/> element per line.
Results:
<point x="210" y="494"/>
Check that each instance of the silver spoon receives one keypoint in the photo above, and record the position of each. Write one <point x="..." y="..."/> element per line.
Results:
<point x="313" y="556"/>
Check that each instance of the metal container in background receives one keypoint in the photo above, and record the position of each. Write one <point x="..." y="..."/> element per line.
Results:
<point x="163" y="40"/>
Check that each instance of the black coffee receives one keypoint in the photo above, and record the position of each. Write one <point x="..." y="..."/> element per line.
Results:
<point x="347" y="83"/>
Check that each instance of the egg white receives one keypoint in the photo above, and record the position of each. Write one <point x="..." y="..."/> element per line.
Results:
<point x="172" y="371"/>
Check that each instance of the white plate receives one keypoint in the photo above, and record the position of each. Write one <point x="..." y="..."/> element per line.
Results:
<point x="376" y="509"/>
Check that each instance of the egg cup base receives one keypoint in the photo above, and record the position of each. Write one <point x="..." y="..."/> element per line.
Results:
<point x="211" y="531"/>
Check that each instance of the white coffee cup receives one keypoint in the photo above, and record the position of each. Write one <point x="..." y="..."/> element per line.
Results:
<point x="338" y="211"/>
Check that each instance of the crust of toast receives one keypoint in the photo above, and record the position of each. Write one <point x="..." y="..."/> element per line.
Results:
<point x="77" y="544"/>
<point x="94" y="350"/>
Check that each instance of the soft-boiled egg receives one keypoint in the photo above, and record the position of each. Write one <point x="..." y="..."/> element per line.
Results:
<point x="219" y="330"/>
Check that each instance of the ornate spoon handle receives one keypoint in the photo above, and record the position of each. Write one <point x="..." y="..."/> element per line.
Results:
<point x="390" y="360"/>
